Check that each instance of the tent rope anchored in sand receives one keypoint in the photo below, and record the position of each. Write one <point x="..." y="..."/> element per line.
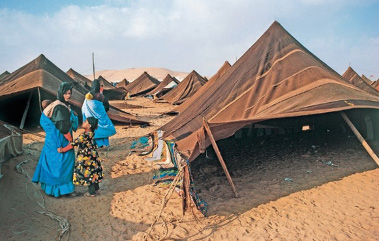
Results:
<point x="276" y="78"/>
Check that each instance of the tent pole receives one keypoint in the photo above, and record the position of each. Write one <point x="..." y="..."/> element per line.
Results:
<point x="360" y="138"/>
<point x="39" y="99"/>
<point x="26" y="111"/>
<point x="215" y="147"/>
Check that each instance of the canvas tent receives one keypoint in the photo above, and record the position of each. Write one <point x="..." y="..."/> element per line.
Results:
<point x="79" y="78"/>
<point x="224" y="68"/>
<point x="10" y="142"/>
<point x="352" y="77"/>
<point x="111" y="92"/>
<point x="185" y="89"/>
<point x="276" y="78"/>
<point x="143" y="84"/>
<point x="23" y="90"/>
<point x="122" y="84"/>
<point x="165" y="86"/>
<point x="4" y="74"/>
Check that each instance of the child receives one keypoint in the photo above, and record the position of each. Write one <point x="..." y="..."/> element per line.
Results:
<point x="88" y="170"/>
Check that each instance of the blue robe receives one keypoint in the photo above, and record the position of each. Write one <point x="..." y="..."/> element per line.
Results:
<point x="105" y="127"/>
<point x="55" y="170"/>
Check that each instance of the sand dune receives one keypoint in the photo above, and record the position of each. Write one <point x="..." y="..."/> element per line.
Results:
<point x="133" y="73"/>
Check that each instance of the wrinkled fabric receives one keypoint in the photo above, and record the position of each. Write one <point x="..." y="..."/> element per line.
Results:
<point x="105" y="128"/>
<point x="54" y="170"/>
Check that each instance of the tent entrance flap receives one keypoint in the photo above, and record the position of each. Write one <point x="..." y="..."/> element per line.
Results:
<point x="219" y="156"/>
<point x="360" y="138"/>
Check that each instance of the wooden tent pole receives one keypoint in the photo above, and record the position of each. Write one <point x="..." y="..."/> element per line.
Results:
<point x="360" y="138"/>
<point x="215" y="147"/>
<point x="26" y="111"/>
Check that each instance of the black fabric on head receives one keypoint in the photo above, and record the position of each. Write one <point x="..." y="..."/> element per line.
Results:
<point x="63" y="88"/>
<point x="95" y="87"/>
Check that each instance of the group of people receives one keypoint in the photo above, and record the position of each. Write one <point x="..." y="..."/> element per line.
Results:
<point x="58" y="170"/>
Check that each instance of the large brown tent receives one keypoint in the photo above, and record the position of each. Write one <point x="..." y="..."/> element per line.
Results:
<point x="79" y="78"/>
<point x="23" y="90"/>
<point x="352" y="77"/>
<point x="164" y="86"/>
<point x="110" y="91"/>
<point x="143" y="84"/>
<point x="224" y="68"/>
<point x="276" y="78"/>
<point x="185" y="89"/>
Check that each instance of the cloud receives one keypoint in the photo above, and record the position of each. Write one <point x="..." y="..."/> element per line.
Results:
<point x="179" y="35"/>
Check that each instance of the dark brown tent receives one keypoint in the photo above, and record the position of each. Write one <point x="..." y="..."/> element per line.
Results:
<point x="23" y="90"/>
<point x="4" y="75"/>
<point x="352" y="77"/>
<point x="276" y="78"/>
<point x="375" y="84"/>
<point x="122" y="84"/>
<point x="164" y="86"/>
<point x="143" y="84"/>
<point x="79" y="78"/>
<point x="110" y="91"/>
<point x="185" y="89"/>
<point x="224" y="68"/>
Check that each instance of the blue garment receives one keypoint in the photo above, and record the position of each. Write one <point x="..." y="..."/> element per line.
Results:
<point x="105" y="127"/>
<point x="54" y="170"/>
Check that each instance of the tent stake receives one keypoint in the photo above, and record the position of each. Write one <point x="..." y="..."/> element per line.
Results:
<point x="215" y="147"/>
<point x="360" y="138"/>
<point x="26" y="111"/>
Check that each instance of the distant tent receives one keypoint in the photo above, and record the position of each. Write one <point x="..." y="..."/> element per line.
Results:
<point x="276" y="78"/>
<point x="79" y="78"/>
<point x="10" y="142"/>
<point x="165" y="86"/>
<point x="185" y="89"/>
<point x="111" y="92"/>
<point x="352" y="77"/>
<point x="143" y="84"/>
<point x="375" y="84"/>
<point x="23" y="90"/>
<point x="122" y="84"/>
<point x="4" y="74"/>
<point x="224" y="68"/>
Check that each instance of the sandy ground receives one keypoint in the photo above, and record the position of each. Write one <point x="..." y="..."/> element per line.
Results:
<point x="291" y="188"/>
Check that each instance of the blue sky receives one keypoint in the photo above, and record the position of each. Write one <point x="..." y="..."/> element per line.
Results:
<point x="183" y="35"/>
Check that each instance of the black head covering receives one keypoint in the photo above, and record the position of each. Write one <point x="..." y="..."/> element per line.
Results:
<point x="95" y="87"/>
<point x="93" y="122"/>
<point x="63" y="88"/>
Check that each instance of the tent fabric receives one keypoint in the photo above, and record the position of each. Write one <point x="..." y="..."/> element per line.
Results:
<point x="183" y="91"/>
<point x="224" y="68"/>
<point x="110" y="91"/>
<point x="352" y="77"/>
<point x="43" y="74"/>
<point x="143" y="84"/>
<point x="79" y="78"/>
<point x="164" y="84"/>
<point x="276" y="77"/>
<point x="122" y="84"/>
<point x="10" y="143"/>
<point x="4" y="74"/>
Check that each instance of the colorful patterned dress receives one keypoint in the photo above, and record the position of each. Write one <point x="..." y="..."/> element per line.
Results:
<point x="88" y="168"/>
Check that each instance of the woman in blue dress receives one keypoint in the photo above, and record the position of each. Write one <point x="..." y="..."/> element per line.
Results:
<point x="96" y="105"/>
<point x="55" y="170"/>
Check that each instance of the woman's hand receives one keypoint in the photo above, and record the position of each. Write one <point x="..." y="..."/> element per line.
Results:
<point x="59" y="150"/>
